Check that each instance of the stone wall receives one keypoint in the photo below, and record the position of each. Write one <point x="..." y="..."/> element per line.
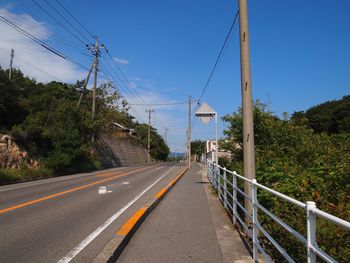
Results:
<point x="114" y="150"/>
<point x="11" y="156"/>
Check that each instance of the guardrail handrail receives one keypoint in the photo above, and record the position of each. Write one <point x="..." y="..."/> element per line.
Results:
<point x="218" y="178"/>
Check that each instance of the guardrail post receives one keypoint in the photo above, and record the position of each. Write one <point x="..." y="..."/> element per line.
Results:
<point x="218" y="181"/>
<point x="225" y="188"/>
<point x="255" y="220"/>
<point x="209" y="172"/>
<point x="311" y="231"/>
<point x="234" y="198"/>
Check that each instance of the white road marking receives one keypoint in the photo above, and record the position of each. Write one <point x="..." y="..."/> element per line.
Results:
<point x="102" y="190"/>
<point x="125" y="183"/>
<point x="160" y="167"/>
<point x="52" y="180"/>
<point x="75" y="251"/>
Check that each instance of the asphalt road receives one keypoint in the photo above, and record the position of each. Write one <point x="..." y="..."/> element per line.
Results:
<point x="65" y="219"/>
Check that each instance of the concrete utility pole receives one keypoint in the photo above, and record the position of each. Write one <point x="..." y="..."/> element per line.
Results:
<point x="97" y="53"/>
<point x="189" y="130"/>
<point x="165" y="135"/>
<point x="85" y="83"/>
<point x="247" y="107"/>
<point x="11" y="62"/>
<point x="149" y="136"/>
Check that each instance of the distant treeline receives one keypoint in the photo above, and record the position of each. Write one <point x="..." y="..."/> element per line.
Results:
<point x="331" y="116"/>
<point x="46" y="122"/>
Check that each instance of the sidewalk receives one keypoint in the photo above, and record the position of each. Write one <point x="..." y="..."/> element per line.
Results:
<point x="187" y="227"/>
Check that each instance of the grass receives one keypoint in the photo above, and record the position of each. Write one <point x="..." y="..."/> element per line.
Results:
<point x="8" y="176"/>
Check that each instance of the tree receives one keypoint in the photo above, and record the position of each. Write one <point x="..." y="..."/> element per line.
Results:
<point x="331" y="116"/>
<point x="159" y="149"/>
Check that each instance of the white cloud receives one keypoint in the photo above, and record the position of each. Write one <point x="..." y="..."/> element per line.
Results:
<point x="31" y="58"/>
<point x="121" y="61"/>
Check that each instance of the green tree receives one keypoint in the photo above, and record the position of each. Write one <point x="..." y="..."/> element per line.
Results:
<point x="159" y="149"/>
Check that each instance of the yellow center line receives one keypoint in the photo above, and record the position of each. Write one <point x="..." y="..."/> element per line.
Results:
<point x="106" y="174"/>
<point x="11" y="208"/>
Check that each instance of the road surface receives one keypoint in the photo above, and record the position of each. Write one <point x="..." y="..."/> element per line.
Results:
<point x="66" y="219"/>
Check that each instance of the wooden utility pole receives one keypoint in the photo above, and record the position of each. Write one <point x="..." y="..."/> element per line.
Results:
<point x="149" y="136"/>
<point x="247" y="104"/>
<point x="11" y="62"/>
<point x="189" y="130"/>
<point x="85" y="83"/>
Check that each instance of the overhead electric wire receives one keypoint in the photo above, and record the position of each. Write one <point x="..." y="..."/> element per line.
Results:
<point x="111" y="78"/>
<point x="56" y="52"/>
<point x="58" y="22"/>
<point x="35" y="39"/>
<point x="127" y="82"/>
<point x="165" y="104"/>
<point x="223" y="47"/>
<point x="23" y="61"/>
<point x="124" y="79"/>
<point x="75" y="19"/>
<point x="40" y="42"/>
<point x="54" y="36"/>
<point x="219" y="57"/>
<point x="160" y="91"/>
<point x="67" y="21"/>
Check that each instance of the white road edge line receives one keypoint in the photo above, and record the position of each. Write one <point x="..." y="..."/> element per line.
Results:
<point x="75" y="251"/>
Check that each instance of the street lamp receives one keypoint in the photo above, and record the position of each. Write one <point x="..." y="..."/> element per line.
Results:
<point x="205" y="113"/>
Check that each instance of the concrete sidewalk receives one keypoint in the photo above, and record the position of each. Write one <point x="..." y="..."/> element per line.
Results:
<point x="189" y="225"/>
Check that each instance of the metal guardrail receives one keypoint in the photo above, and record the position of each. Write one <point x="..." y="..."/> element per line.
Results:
<point x="218" y="178"/>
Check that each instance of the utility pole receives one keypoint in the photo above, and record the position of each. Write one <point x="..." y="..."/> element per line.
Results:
<point x="189" y="130"/>
<point x="165" y="135"/>
<point x="269" y="101"/>
<point x="247" y="105"/>
<point x="11" y="62"/>
<point x="97" y="53"/>
<point x="85" y="83"/>
<point x="149" y="136"/>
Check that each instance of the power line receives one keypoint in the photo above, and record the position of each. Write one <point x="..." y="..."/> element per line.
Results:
<point x="67" y="21"/>
<point x="160" y="91"/>
<point x="120" y="85"/>
<point x="126" y="82"/>
<point x="223" y="47"/>
<point x="164" y="104"/>
<point x="112" y="79"/>
<point x="40" y="42"/>
<point x="58" y="22"/>
<point x="75" y="19"/>
<point x="219" y="57"/>
<point x="54" y="36"/>
<point x="35" y="39"/>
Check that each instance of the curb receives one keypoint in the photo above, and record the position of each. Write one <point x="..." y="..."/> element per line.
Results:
<point x="116" y="245"/>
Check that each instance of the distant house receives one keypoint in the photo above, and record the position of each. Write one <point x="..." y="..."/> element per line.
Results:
<point x="124" y="131"/>
<point x="210" y="151"/>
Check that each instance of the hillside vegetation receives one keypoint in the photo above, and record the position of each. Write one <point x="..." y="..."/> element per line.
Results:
<point x="45" y="121"/>
<point x="305" y="156"/>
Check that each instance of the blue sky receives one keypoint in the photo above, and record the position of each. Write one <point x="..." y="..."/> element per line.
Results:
<point x="299" y="52"/>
